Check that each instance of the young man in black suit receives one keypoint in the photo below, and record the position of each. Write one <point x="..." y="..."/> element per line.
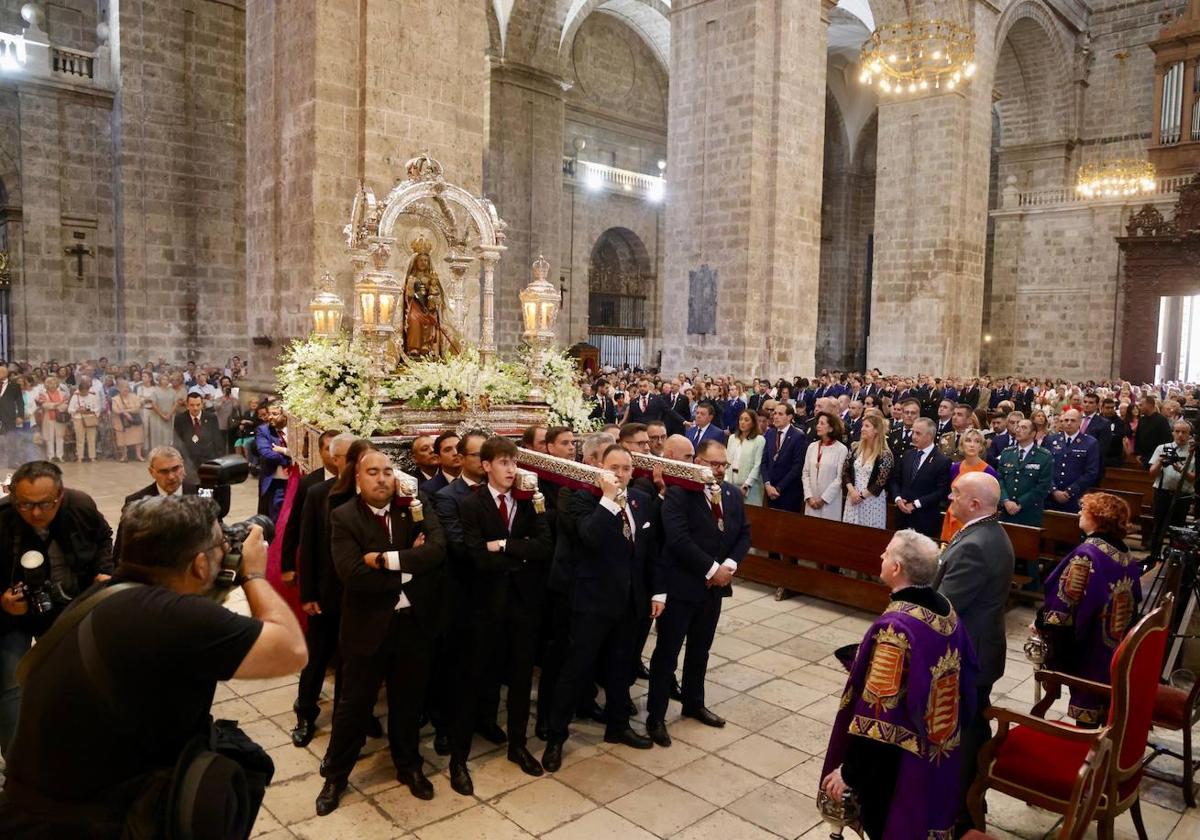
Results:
<point x="291" y="532"/>
<point x="616" y="542"/>
<point x="197" y="435"/>
<point x="921" y="483"/>
<point x="509" y="546"/>
<point x="704" y="540"/>
<point x="392" y="609"/>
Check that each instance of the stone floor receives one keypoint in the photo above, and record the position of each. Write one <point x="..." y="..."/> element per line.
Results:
<point x="771" y="675"/>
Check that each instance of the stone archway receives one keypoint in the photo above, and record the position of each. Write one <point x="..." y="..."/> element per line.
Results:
<point x="620" y="286"/>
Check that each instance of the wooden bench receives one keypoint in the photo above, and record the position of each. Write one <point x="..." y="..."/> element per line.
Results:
<point x="832" y="546"/>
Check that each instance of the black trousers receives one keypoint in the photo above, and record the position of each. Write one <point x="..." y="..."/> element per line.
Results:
<point x="321" y="636"/>
<point x="695" y="623"/>
<point x="595" y="637"/>
<point x="402" y="663"/>
<point x="501" y="645"/>
<point x="975" y="733"/>
<point x="557" y="649"/>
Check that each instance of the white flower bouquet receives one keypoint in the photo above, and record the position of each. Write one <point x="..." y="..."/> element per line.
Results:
<point x="328" y="383"/>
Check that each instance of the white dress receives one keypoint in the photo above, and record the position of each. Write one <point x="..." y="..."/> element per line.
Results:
<point x="824" y="480"/>
<point x="872" y="510"/>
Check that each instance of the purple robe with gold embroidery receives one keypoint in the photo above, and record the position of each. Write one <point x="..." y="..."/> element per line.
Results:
<point x="911" y="686"/>
<point x="1095" y="590"/>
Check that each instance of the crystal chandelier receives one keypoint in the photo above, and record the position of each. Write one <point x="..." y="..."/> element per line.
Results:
<point x="1119" y="177"/>
<point x="1116" y="178"/>
<point x="916" y="56"/>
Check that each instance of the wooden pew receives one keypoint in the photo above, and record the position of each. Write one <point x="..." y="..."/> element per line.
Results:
<point x="1131" y="481"/>
<point x="834" y="545"/>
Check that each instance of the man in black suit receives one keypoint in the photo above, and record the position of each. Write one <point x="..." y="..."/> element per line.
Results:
<point x="921" y="483"/>
<point x="559" y="586"/>
<point x="450" y="679"/>
<point x="645" y="405"/>
<point x="976" y="576"/>
<point x="1096" y="425"/>
<point x="509" y="546"/>
<point x="197" y="436"/>
<point x="291" y="532"/>
<point x="165" y="466"/>
<point x="12" y="417"/>
<point x="703" y="541"/>
<point x="756" y="400"/>
<point x="426" y="459"/>
<point x="678" y="408"/>
<point x="616" y="541"/>
<point x="391" y="567"/>
<point x="449" y="462"/>
<point x="783" y="461"/>
<point x="1114" y="454"/>
<point x="320" y="592"/>
<point x="605" y="409"/>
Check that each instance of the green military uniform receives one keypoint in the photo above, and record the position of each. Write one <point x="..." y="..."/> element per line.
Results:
<point x="948" y="445"/>
<point x="1025" y="482"/>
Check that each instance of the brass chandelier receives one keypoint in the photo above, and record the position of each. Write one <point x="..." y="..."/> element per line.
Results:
<point x="1118" y="177"/>
<point x="915" y="56"/>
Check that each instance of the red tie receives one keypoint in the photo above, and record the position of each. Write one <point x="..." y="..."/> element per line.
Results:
<point x="196" y="426"/>
<point x="716" y="510"/>
<point x="382" y="519"/>
<point x="643" y="404"/>
<point x="503" y="509"/>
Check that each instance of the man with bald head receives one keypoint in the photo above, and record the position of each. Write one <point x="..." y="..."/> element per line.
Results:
<point x="976" y="575"/>
<point x="1076" y="464"/>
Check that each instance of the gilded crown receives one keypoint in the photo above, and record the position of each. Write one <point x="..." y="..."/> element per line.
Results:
<point x="421" y="245"/>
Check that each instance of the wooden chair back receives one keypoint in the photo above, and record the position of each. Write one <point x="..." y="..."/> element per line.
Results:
<point x="1134" y="679"/>
<point x="1089" y="788"/>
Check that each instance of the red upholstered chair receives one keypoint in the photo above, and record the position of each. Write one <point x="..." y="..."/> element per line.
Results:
<point x="1085" y="795"/>
<point x="1038" y="761"/>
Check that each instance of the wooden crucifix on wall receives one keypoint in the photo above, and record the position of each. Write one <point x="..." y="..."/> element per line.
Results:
<point x="79" y="251"/>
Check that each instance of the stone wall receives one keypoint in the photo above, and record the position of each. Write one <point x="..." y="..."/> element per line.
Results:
<point x="149" y="182"/>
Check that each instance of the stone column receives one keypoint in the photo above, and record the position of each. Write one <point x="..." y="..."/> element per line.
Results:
<point x="337" y="93"/>
<point x="524" y="178"/>
<point x="745" y="148"/>
<point x="931" y="220"/>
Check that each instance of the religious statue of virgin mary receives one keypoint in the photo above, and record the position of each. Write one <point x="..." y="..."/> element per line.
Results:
<point x="425" y="333"/>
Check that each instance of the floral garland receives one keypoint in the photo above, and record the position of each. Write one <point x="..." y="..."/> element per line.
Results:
<point x="457" y="380"/>
<point x="328" y="383"/>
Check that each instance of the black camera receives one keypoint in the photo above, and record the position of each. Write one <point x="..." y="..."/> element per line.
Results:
<point x="1183" y="538"/>
<point x="43" y="595"/>
<point x="235" y="535"/>
<point x="1170" y="456"/>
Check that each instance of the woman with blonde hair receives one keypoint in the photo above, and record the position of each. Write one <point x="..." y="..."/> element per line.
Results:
<point x="972" y="446"/>
<point x="865" y="474"/>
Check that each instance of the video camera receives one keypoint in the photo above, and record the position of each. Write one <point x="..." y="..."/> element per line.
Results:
<point x="224" y="472"/>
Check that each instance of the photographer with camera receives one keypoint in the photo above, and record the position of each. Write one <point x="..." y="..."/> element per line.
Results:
<point x="53" y="544"/>
<point x="1173" y="467"/>
<point x="113" y="744"/>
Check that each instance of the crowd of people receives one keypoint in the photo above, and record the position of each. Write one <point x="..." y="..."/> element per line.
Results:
<point x="470" y="585"/>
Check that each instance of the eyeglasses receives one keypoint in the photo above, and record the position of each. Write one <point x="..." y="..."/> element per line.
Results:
<point x="25" y="507"/>
<point x="222" y="544"/>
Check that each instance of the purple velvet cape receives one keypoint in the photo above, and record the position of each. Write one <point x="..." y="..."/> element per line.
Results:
<point x="912" y="685"/>
<point x="1096" y="590"/>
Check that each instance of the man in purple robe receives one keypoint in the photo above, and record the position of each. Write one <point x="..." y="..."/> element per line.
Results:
<point x="1092" y="599"/>
<point x="896" y="738"/>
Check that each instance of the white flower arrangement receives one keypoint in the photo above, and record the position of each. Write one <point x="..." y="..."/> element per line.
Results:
<point x="564" y="391"/>
<point x="455" y="380"/>
<point x="328" y="383"/>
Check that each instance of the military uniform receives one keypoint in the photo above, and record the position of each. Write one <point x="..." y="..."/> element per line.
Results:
<point x="1026" y="481"/>
<point x="1076" y="468"/>
<point x="900" y="441"/>
<point x="948" y="445"/>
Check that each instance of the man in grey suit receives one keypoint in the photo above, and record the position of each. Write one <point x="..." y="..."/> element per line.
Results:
<point x="976" y="575"/>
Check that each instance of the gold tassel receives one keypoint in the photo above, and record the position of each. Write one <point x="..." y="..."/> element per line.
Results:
<point x="417" y="510"/>
<point x="539" y="502"/>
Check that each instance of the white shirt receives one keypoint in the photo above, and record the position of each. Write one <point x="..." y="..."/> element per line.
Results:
<point x="616" y="510"/>
<point x="162" y="492"/>
<point x="921" y="459"/>
<point x="391" y="559"/>
<point x="510" y="505"/>
<point x="1025" y="450"/>
<point x="329" y="474"/>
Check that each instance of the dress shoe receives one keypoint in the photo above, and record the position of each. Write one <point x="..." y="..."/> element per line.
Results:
<point x="782" y="594"/>
<point x="640" y="671"/>
<point x="330" y="795"/>
<point x="416" y="782"/>
<point x="374" y="727"/>
<point x="303" y="732"/>
<point x="542" y="731"/>
<point x="593" y="711"/>
<point x="441" y="743"/>
<point x="492" y="732"/>
<point x="629" y="738"/>
<point x="460" y="779"/>
<point x="524" y="759"/>
<point x="676" y="693"/>
<point x="552" y="757"/>
<point x="658" y="733"/>
<point x="704" y="716"/>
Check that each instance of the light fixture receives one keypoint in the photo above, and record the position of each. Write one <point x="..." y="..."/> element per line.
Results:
<point x="658" y="190"/>
<point x="327" y="309"/>
<point x="987" y="338"/>
<point x="1117" y="177"/>
<point x="539" y="311"/>
<point x="377" y="294"/>
<point x="916" y="55"/>
<point x="594" y="181"/>
<point x="662" y="166"/>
